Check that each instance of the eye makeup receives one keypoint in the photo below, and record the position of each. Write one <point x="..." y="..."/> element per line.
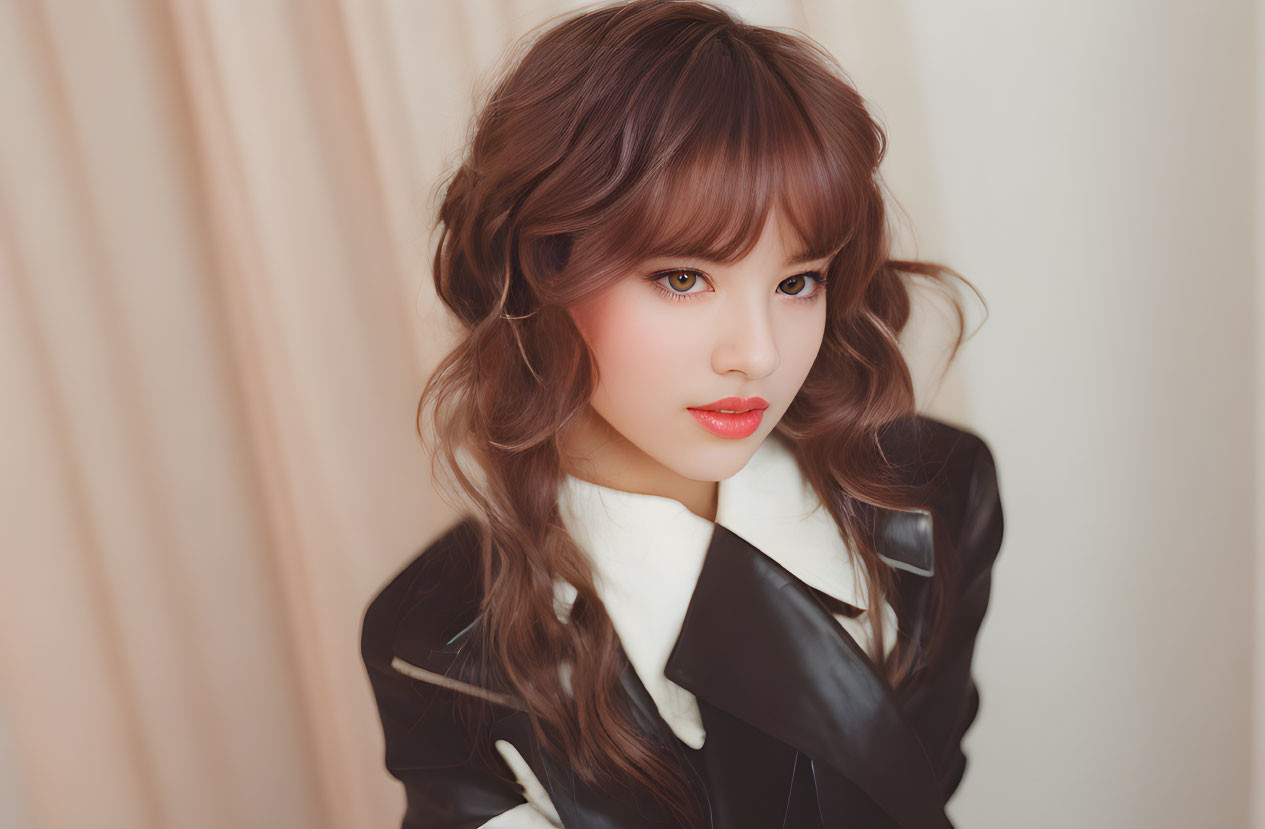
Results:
<point x="656" y="280"/>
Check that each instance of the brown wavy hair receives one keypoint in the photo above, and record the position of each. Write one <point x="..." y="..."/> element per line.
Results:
<point x="622" y="132"/>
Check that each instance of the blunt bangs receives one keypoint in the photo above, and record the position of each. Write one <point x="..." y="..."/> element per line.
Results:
<point x="730" y="141"/>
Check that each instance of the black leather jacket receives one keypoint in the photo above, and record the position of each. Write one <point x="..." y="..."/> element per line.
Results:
<point x="801" y="730"/>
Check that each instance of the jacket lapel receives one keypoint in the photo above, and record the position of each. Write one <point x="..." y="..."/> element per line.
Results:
<point x="744" y="649"/>
<point x="740" y="653"/>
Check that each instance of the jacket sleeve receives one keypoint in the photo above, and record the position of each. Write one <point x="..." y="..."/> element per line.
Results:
<point x="946" y="699"/>
<point x="450" y="780"/>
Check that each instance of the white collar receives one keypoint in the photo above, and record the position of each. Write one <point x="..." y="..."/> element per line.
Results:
<point x="647" y="552"/>
<point x="634" y="536"/>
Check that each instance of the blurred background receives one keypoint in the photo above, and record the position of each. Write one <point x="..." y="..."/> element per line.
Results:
<point x="216" y="318"/>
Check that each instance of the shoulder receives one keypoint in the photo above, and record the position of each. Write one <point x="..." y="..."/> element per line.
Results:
<point x="448" y="761"/>
<point x="958" y="470"/>
<point x="421" y="612"/>
<point x="930" y="448"/>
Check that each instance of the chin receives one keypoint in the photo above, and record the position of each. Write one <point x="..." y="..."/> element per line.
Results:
<point x="715" y="462"/>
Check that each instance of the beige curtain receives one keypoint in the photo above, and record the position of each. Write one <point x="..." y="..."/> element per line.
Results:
<point x="216" y="319"/>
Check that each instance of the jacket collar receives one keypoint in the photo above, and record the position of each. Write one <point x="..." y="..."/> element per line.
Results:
<point x="748" y="605"/>
<point x="736" y="653"/>
<point x="736" y="649"/>
<point x="647" y="551"/>
<point x="768" y="503"/>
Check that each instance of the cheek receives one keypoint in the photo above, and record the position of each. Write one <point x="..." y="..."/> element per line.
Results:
<point x="637" y="350"/>
<point x="807" y="341"/>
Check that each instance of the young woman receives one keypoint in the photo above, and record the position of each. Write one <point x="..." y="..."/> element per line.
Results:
<point x="713" y="570"/>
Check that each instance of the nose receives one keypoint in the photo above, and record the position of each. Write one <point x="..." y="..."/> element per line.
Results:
<point x="745" y="340"/>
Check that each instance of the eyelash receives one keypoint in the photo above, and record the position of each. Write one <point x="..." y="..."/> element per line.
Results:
<point x="677" y="295"/>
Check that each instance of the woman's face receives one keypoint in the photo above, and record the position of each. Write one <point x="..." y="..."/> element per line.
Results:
<point x="676" y="334"/>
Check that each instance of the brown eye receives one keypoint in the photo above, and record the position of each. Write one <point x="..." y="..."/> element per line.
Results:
<point x="794" y="286"/>
<point x="682" y="281"/>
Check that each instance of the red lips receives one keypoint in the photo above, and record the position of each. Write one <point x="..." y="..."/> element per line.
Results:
<point x="735" y="404"/>
<point x="732" y="417"/>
